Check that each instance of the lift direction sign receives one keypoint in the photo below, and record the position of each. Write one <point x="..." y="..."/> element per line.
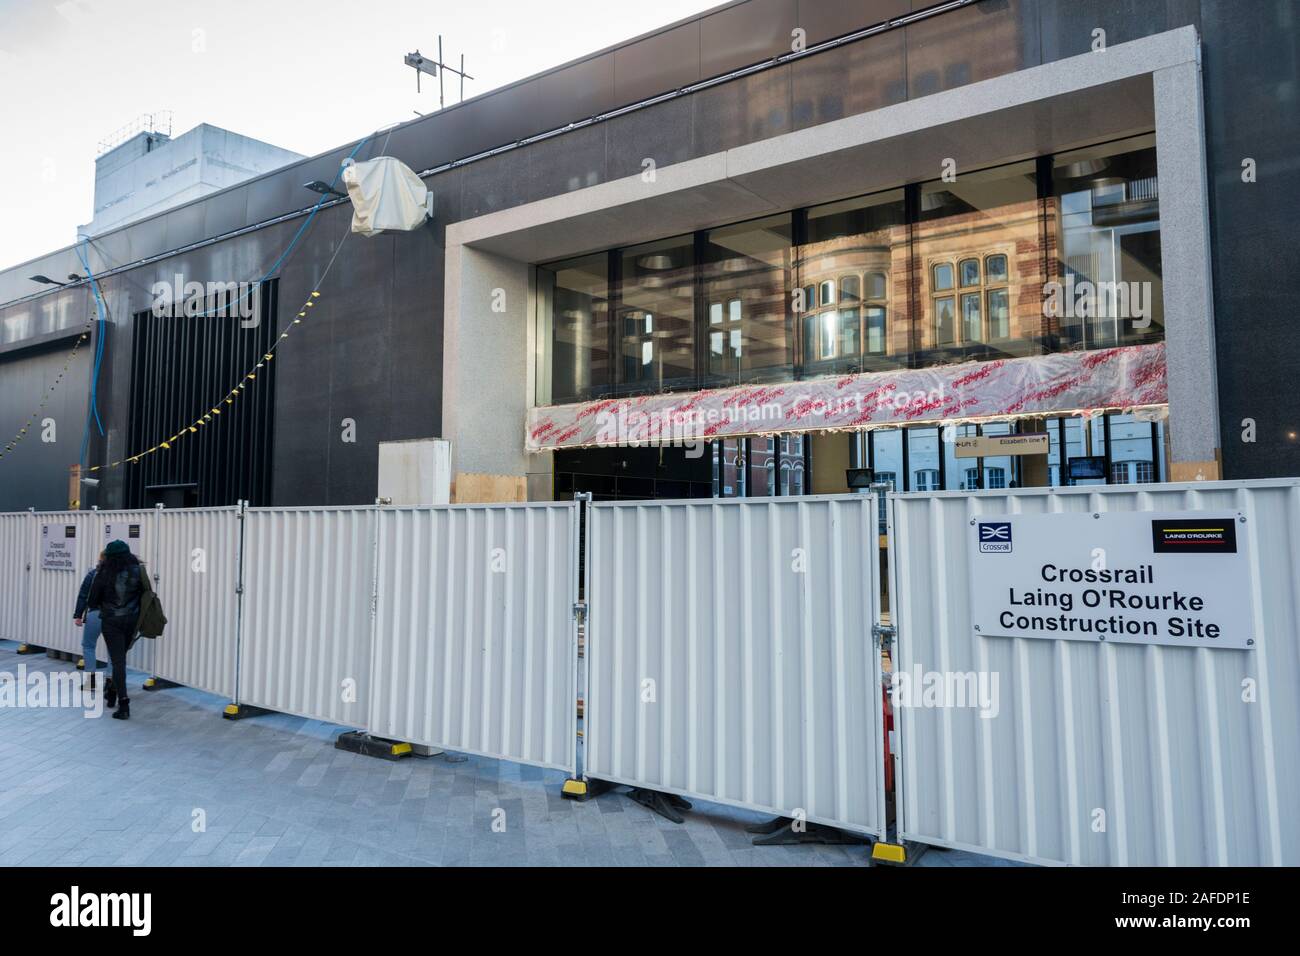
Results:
<point x="1175" y="578"/>
<point x="997" y="446"/>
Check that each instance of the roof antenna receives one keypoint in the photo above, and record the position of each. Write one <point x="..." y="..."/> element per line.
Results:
<point x="423" y="64"/>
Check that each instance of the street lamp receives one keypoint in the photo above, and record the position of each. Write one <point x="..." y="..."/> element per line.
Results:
<point x="46" y="280"/>
<point x="324" y="188"/>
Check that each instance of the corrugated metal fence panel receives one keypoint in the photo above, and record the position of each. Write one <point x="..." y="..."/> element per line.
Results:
<point x="752" y="618"/>
<point x="196" y="566"/>
<point x="53" y="594"/>
<point x="1160" y="738"/>
<point x="15" y="556"/>
<point x="475" y="641"/>
<point x="45" y="599"/>
<point x="308" y="575"/>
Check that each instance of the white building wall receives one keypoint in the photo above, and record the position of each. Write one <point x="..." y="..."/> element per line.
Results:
<point x="150" y="173"/>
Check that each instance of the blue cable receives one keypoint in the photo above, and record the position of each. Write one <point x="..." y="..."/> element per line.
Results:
<point x="301" y="229"/>
<point x="93" y="413"/>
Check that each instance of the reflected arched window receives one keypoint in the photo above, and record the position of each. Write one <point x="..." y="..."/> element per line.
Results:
<point x="850" y="290"/>
<point x="827" y="292"/>
<point x="877" y="285"/>
<point x="942" y="277"/>
<point x="995" y="268"/>
<point x="927" y="479"/>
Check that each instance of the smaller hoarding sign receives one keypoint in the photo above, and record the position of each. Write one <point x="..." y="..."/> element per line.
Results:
<point x="58" y="547"/>
<point x="128" y="531"/>
<point x="1180" y="578"/>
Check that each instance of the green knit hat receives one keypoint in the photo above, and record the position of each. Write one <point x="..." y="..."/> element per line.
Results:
<point x="116" y="547"/>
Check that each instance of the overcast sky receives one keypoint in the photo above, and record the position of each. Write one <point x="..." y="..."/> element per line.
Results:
<point x="306" y="76"/>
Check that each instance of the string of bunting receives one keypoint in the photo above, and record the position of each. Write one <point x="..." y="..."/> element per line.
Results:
<point x="22" y="432"/>
<point x="229" y="398"/>
<point x="209" y="417"/>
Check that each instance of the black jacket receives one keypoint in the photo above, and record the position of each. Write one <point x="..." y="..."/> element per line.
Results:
<point x="84" y="594"/>
<point x="116" y="591"/>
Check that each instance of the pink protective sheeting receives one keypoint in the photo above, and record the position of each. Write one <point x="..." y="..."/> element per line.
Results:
<point x="1117" y="378"/>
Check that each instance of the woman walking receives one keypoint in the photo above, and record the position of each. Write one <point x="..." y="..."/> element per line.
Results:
<point x="115" y="593"/>
<point x="88" y="620"/>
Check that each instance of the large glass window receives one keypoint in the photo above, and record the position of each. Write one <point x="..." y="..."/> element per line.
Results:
<point x="1079" y="454"/>
<point x="793" y="464"/>
<point x="656" y="316"/>
<point x="745" y="275"/>
<point x="1000" y="262"/>
<point x="1055" y="464"/>
<point x="977" y="240"/>
<point x="1135" y="449"/>
<point x="960" y="474"/>
<point x="729" y="468"/>
<point x="887" y="455"/>
<point x="579" y="367"/>
<point x="923" y="459"/>
<point x="762" y="467"/>
<point x="1108" y="221"/>
<point x="886" y="462"/>
<point x="759" y="467"/>
<point x="1119" y="448"/>
<point x="16" y="327"/>
<point x="1001" y="471"/>
<point x="852" y="269"/>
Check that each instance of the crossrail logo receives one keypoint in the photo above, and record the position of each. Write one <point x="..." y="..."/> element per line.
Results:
<point x="995" y="537"/>
<point x="102" y="910"/>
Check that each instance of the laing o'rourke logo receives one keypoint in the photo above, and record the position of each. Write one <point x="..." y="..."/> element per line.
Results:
<point x="995" y="537"/>
<point x="76" y="909"/>
<point x="1188" y="536"/>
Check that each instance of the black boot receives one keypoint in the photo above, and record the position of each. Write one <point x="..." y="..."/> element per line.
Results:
<point x="123" y="711"/>
<point x="110" y="693"/>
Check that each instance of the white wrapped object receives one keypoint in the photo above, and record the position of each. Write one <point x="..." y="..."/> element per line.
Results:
<point x="386" y="194"/>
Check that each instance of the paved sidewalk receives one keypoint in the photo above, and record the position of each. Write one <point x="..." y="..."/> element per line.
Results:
<point x="275" y="792"/>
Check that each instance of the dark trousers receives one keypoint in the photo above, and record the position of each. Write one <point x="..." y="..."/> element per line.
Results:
<point x="117" y="637"/>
